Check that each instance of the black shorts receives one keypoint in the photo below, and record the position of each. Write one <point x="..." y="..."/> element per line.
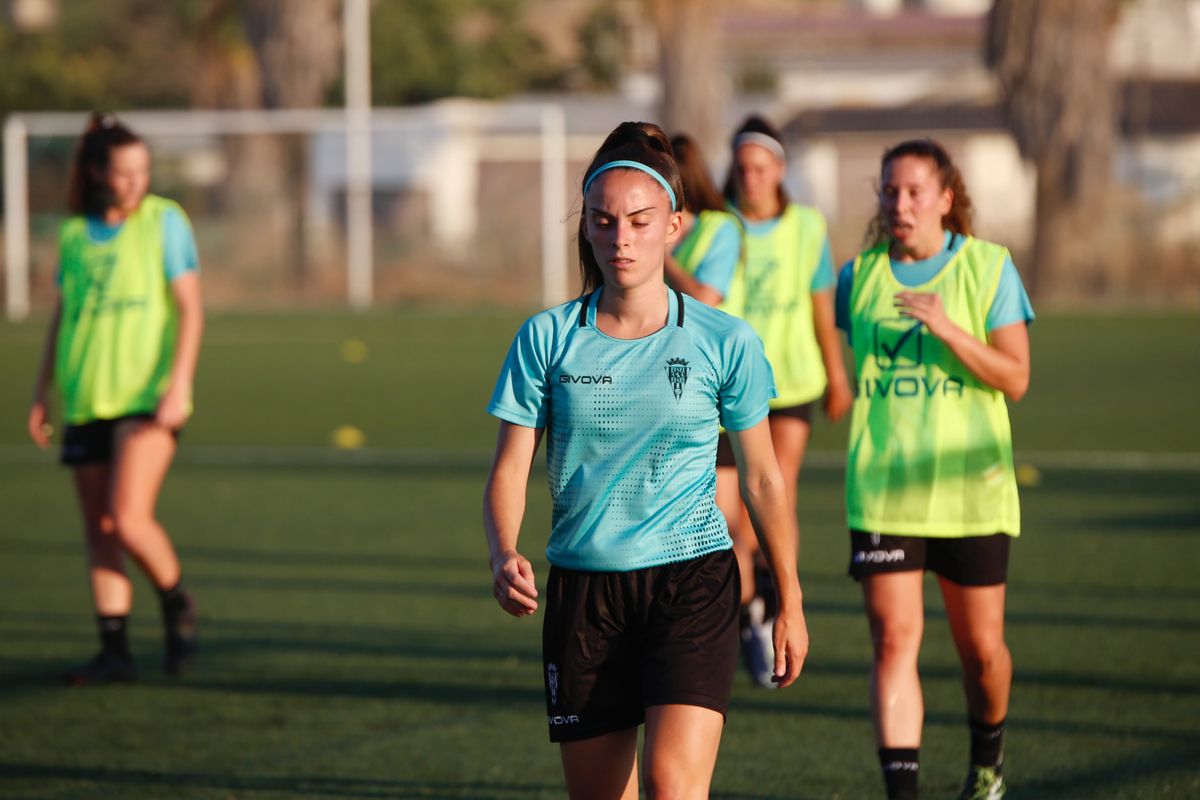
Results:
<point x="967" y="561"/>
<point x="92" y="442"/>
<point x="616" y="643"/>
<point x="804" y="412"/>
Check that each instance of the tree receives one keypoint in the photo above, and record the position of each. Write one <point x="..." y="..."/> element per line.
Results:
<point x="1051" y="58"/>
<point x="690" y="68"/>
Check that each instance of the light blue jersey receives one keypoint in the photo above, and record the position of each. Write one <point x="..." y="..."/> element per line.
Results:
<point x="716" y="269"/>
<point x="1011" y="303"/>
<point x="631" y="427"/>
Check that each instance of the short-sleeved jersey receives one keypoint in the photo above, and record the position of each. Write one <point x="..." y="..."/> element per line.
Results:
<point x="179" y="254"/>
<point x="716" y="266"/>
<point x="1011" y="303"/>
<point x="631" y="427"/>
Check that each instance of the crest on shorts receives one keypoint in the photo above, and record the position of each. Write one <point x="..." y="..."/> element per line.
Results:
<point x="677" y="374"/>
<point x="552" y="682"/>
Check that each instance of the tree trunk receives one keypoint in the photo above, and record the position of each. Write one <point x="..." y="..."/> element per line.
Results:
<point x="1051" y="57"/>
<point x="693" y="92"/>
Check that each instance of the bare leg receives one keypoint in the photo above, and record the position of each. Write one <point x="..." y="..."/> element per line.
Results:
<point x="745" y="543"/>
<point x="976" y="616"/>
<point x="790" y="437"/>
<point x="112" y="593"/>
<point x="143" y="453"/>
<point x="896" y="613"/>
<point x="603" y="768"/>
<point x="681" y="751"/>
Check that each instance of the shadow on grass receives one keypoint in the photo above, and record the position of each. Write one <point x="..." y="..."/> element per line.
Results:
<point x="291" y="785"/>
<point x="1115" y="776"/>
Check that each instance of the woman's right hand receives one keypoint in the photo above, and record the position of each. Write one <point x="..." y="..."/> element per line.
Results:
<point x="38" y="423"/>
<point x="513" y="585"/>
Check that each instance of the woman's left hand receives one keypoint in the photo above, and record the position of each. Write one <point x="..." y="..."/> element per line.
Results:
<point x="925" y="307"/>
<point x="172" y="410"/>
<point x="838" y="400"/>
<point x="790" y="635"/>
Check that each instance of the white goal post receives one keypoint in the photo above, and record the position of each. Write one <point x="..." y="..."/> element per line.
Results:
<point x="533" y="128"/>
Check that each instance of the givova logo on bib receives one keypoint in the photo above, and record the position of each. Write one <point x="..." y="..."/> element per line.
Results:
<point x="898" y="343"/>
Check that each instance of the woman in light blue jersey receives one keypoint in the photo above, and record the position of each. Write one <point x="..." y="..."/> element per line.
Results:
<point x="628" y="385"/>
<point x="937" y="321"/>
<point x="784" y="289"/>
<point x="121" y="351"/>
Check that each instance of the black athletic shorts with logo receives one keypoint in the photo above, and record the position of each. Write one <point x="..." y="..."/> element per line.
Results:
<point x="615" y="643"/>
<point x="92" y="442"/>
<point x="967" y="561"/>
<point x="804" y="411"/>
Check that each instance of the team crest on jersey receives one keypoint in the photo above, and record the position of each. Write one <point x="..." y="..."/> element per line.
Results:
<point x="677" y="374"/>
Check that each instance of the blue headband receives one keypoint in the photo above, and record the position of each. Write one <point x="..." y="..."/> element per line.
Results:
<point x="632" y="165"/>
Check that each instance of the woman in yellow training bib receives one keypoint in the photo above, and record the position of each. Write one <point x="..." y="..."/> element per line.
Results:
<point x="121" y="351"/>
<point x="784" y="289"/>
<point x="937" y="321"/>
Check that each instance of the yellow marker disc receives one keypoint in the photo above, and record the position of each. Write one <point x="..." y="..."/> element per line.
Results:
<point x="348" y="437"/>
<point x="354" y="351"/>
<point x="1028" y="475"/>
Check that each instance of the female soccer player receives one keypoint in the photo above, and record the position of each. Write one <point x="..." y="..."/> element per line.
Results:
<point x="121" y="351"/>
<point x="785" y="291"/>
<point x="629" y="383"/>
<point x="704" y="260"/>
<point x="937" y="320"/>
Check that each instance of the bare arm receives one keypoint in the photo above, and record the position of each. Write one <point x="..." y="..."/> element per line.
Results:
<point x="838" y="397"/>
<point x="685" y="282"/>
<point x="774" y="521"/>
<point x="513" y="583"/>
<point x="1002" y="362"/>
<point x="173" y="406"/>
<point x="39" y="410"/>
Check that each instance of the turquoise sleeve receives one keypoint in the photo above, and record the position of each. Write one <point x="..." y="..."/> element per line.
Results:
<point x="823" y="277"/>
<point x="1011" y="303"/>
<point x="841" y="301"/>
<point x="749" y="383"/>
<point x="720" y="262"/>
<point x="179" y="245"/>
<point x="522" y="391"/>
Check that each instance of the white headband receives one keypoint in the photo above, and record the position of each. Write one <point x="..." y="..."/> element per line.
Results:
<point x="760" y="139"/>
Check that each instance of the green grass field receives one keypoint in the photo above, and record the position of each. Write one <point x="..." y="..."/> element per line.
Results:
<point x="351" y="648"/>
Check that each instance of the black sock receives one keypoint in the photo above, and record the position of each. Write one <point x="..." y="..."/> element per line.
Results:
<point x="901" y="767"/>
<point x="987" y="743"/>
<point x="764" y="587"/>
<point x="113" y="638"/>
<point x="172" y="600"/>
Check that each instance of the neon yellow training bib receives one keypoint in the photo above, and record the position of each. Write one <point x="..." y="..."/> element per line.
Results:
<point x="692" y="250"/>
<point x="930" y="445"/>
<point x="772" y="290"/>
<point x="116" y="337"/>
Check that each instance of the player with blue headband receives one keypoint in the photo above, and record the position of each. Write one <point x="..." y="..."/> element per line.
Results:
<point x="629" y="384"/>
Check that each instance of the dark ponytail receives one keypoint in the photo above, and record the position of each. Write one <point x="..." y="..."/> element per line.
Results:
<point x="645" y="143"/>
<point x="87" y="189"/>
<point x="697" y="183"/>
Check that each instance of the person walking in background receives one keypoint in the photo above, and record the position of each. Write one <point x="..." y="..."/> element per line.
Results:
<point x="784" y="289"/>
<point x="705" y="259"/>
<point x="937" y="321"/>
<point x="121" y="351"/>
<point x="629" y="384"/>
